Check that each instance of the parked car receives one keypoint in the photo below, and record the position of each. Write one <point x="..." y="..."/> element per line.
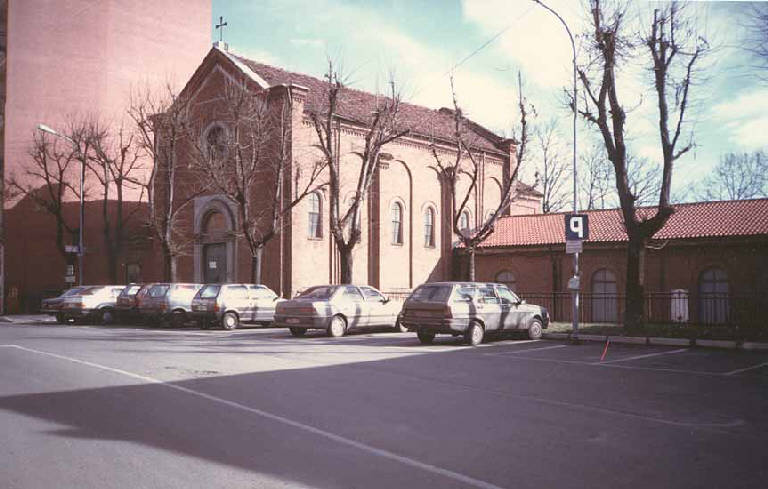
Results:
<point x="336" y="309"/>
<point x="127" y="306"/>
<point x="470" y="309"/>
<point x="168" y="303"/>
<point x="52" y="305"/>
<point x="95" y="303"/>
<point x="228" y="305"/>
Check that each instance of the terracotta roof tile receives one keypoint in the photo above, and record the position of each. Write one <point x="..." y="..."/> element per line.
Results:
<point x="357" y="106"/>
<point x="695" y="220"/>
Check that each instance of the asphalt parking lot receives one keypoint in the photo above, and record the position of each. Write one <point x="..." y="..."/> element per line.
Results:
<point x="88" y="406"/>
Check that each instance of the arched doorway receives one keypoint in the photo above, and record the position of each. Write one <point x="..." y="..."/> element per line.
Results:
<point x="713" y="296"/>
<point x="604" y="297"/>
<point x="215" y="253"/>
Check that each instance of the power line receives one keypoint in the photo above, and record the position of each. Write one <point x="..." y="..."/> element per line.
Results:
<point x="489" y="41"/>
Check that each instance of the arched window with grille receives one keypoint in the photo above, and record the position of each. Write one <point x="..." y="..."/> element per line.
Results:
<point x="604" y="297"/>
<point x="397" y="223"/>
<point x="713" y="296"/>
<point x="507" y="278"/>
<point x="315" y="216"/>
<point x="429" y="227"/>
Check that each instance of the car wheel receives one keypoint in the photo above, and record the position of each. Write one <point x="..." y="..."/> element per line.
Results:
<point x="338" y="327"/>
<point x="534" y="330"/>
<point x="178" y="319"/>
<point x="399" y="328"/>
<point x="61" y="319"/>
<point x="298" y="332"/>
<point x="474" y="335"/>
<point x="230" y="321"/>
<point x="107" y="316"/>
<point x="425" y="337"/>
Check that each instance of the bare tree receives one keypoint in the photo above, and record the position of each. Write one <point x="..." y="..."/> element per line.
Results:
<point x="382" y="127"/>
<point x="737" y="176"/>
<point x="465" y="160"/>
<point x="248" y="161"/>
<point x="674" y="50"/>
<point x="756" y="37"/>
<point x="595" y="179"/>
<point x="553" y="168"/>
<point x="644" y="179"/>
<point x="50" y="179"/>
<point x="116" y="164"/>
<point x="162" y="122"/>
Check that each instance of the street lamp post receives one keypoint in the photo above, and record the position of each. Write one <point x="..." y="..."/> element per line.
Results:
<point x="80" y="246"/>
<point x="575" y="311"/>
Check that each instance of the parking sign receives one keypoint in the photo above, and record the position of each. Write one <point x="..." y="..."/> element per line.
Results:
<point x="576" y="227"/>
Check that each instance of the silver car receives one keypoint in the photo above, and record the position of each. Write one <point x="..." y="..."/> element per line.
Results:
<point x="96" y="302"/>
<point x="336" y="309"/>
<point x="470" y="309"/>
<point x="229" y="305"/>
<point x="52" y="305"/>
<point x="168" y="303"/>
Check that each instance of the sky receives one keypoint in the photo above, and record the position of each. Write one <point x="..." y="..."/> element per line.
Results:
<point x="485" y="43"/>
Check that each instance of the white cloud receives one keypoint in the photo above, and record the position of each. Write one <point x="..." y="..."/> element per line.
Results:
<point x="744" y="118"/>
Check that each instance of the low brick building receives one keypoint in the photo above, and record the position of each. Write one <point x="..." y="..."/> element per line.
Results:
<point x="708" y="264"/>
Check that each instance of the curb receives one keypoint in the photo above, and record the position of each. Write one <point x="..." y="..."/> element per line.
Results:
<point x="660" y="341"/>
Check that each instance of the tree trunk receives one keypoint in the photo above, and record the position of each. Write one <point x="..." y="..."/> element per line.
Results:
<point x="256" y="264"/>
<point x="634" y="310"/>
<point x="168" y="264"/>
<point x="347" y="264"/>
<point x="471" y="263"/>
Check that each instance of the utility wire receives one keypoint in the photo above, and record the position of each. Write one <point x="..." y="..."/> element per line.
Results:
<point x="489" y="41"/>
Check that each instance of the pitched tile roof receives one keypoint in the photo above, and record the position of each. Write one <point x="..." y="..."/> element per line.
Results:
<point x="357" y="106"/>
<point x="695" y="220"/>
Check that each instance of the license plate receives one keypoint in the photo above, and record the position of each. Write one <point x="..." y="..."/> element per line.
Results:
<point x="292" y="321"/>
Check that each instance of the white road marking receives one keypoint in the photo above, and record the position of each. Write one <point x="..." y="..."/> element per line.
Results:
<point x="503" y="354"/>
<point x="640" y="357"/>
<point x="755" y="367"/>
<point x="280" y="419"/>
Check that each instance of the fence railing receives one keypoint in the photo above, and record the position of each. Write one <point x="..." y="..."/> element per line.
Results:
<point x="659" y="307"/>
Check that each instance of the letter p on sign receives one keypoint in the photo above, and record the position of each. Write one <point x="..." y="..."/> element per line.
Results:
<point x="576" y="227"/>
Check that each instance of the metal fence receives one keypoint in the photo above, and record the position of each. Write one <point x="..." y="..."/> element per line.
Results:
<point x="682" y="308"/>
<point x="678" y="307"/>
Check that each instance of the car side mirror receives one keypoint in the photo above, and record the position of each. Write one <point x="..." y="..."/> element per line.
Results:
<point x="384" y="300"/>
<point x="522" y="301"/>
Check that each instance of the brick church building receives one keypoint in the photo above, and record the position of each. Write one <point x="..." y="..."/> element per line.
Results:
<point x="407" y="218"/>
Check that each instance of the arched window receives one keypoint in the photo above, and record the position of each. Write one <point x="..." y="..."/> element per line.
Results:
<point x="507" y="278"/>
<point x="604" y="297"/>
<point x="429" y="227"/>
<point x="397" y="223"/>
<point x="713" y="296"/>
<point x="216" y="142"/>
<point x="315" y="216"/>
<point x="464" y="222"/>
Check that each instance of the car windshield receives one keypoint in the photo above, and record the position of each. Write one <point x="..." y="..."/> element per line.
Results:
<point x="321" y="292"/>
<point x="436" y="293"/>
<point x="73" y="291"/>
<point x="132" y="290"/>
<point x="210" y="291"/>
<point x="158" y="290"/>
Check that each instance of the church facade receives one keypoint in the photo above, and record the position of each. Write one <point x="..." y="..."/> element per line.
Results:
<point x="407" y="232"/>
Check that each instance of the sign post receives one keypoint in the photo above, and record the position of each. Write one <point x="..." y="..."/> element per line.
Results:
<point x="576" y="231"/>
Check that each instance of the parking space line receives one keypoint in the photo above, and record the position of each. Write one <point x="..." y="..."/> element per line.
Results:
<point x="470" y="481"/>
<point x="640" y="357"/>
<point x="502" y="354"/>
<point x="754" y="367"/>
